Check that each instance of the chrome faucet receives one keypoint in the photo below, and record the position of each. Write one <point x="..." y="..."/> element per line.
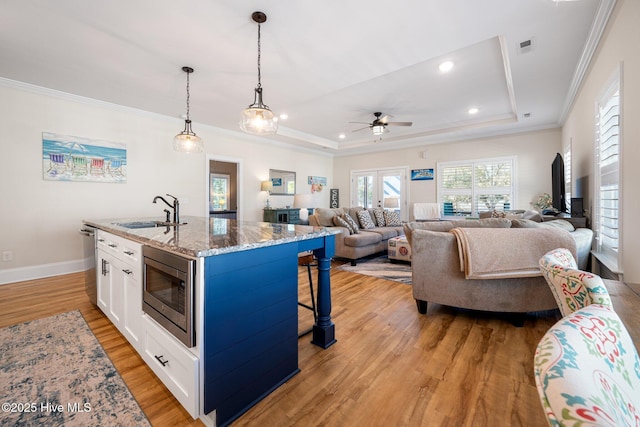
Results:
<point x="175" y="206"/>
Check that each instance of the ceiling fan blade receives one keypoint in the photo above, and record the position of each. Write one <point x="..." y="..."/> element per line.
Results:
<point x="385" y="119"/>
<point x="400" y="123"/>
<point x="363" y="123"/>
<point x="358" y="130"/>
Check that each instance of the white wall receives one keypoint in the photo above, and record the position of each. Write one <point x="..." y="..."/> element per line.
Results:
<point x="535" y="152"/>
<point x="39" y="220"/>
<point x="620" y="45"/>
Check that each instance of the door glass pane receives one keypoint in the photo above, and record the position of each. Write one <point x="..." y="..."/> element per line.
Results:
<point x="391" y="192"/>
<point x="219" y="192"/>
<point x="364" y="189"/>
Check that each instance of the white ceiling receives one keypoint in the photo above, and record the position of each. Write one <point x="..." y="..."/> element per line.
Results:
<point x="325" y="64"/>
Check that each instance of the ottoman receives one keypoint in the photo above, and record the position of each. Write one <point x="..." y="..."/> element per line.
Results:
<point x="398" y="249"/>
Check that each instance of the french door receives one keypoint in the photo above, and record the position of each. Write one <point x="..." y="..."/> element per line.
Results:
<point x="385" y="188"/>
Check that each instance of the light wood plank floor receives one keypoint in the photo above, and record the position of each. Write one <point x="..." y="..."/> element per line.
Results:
<point x="390" y="367"/>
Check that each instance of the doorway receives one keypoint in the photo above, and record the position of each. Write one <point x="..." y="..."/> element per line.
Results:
<point x="385" y="188"/>
<point x="223" y="188"/>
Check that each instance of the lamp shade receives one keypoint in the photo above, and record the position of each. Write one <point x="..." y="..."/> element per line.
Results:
<point x="392" y="202"/>
<point x="302" y="200"/>
<point x="266" y="186"/>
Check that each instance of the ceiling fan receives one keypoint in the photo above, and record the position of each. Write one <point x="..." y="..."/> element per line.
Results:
<point x="379" y="125"/>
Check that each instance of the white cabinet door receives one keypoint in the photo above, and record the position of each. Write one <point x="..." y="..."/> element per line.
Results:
<point x="132" y="315"/>
<point x="120" y="284"/>
<point x="116" y="305"/>
<point x="104" y="280"/>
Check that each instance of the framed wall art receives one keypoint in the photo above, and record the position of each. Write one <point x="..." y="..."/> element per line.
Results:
<point x="421" y="174"/>
<point x="73" y="158"/>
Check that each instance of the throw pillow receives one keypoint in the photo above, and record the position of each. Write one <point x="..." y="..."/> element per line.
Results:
<point x="339" y="222"/>
<point x="352" y="223"/>
<point x="392" y="219"/>
<point x="498" y="214"/>
<point x="365" y="219"/>
<point x="325" y="216"/>
<point x="379" y="214"/>
<point x="524" y="223"/>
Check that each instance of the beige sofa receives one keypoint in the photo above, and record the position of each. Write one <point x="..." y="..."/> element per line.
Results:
<point x="436" y="264"/>
<point x="365" y="242"/>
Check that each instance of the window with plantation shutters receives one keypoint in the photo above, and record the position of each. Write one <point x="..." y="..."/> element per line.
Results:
<point x="567" y="176"/>
<point x="468" y="188"/>
<point x="607" y="188"/>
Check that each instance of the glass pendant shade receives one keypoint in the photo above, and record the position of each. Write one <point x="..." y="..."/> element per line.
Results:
<point x="187" y="141"/>
<point x="258" y="119"/>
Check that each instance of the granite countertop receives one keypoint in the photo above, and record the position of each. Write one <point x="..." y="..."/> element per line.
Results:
<point x="203" y="236"/>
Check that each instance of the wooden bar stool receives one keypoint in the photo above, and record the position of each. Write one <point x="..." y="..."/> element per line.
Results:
<point x="307" y="260"/>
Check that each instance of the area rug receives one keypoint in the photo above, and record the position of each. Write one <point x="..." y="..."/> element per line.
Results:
<point x="381" y="267"/>
<point x="54" y="372"/>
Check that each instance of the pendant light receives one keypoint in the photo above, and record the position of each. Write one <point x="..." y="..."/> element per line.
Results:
<point x="258" y="119"/>
<point x="187" y="141"/>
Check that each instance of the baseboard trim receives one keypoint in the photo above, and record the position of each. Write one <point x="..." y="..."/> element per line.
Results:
<point x="39" y="271"/>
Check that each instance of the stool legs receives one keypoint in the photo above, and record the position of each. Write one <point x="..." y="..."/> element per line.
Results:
<point x="312" y="307"/>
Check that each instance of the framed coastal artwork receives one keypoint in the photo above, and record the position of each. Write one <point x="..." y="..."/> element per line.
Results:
<point x="74" y="158"/>
<point x="421" y="174"/>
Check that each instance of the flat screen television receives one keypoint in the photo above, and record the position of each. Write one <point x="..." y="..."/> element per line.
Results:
<point x="558" y="193"/>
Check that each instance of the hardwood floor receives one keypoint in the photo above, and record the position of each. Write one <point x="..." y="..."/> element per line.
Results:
<point x="390" y="367"/>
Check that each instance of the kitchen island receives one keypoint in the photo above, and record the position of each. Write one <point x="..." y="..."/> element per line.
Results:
<point x="245" y="313"/>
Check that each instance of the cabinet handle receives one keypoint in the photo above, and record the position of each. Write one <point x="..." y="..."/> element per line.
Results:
<point x="100" y="240"/>
<point x="127" y="271"/>
<point x="162" y="362"/>
<point x="128" y="252"/>
<point x="104" y="267"/>
<point x="112" y="245"/>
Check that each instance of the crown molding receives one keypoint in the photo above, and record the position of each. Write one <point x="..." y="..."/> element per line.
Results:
<point x="605" y="8"/>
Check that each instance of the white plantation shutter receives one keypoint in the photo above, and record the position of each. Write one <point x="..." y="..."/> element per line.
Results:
<point x="607" y="156"/>
<point x="471" y="187"/>
<point x="567" y="176"/>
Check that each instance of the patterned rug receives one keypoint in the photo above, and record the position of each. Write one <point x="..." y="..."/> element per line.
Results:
<point x="54" y="372"/>
<point x="381" y="267"/>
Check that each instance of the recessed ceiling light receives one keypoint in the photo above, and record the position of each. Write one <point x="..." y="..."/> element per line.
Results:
<point x="473" y="110"/>
<point x="446" y="66"/>
<point x="342" y="136"/>
<point x="284" y="116"/>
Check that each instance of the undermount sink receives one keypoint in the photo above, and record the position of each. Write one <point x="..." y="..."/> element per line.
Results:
<point x="147" y="224"/>
<point x="139" y="224"/>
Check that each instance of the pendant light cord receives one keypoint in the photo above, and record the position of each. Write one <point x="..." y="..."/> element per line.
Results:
<point x="188" y="94"/>
<point x="259" y="76"/>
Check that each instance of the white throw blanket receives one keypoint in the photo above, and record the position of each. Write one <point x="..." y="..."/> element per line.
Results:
<point x="426" y="211"/>
<point x="498" y="253"/>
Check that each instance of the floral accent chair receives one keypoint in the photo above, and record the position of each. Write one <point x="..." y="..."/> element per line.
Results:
<point x="587" y="371"/>
<point x="573" y="289"/>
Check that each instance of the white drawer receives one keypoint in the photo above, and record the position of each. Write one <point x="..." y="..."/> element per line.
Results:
<point x="173" y="363"/>
<point x="124" y="249"/>
<point x="131" y="252"/>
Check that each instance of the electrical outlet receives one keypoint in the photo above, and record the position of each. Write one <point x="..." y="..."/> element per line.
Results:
<point x="7" y="256"/>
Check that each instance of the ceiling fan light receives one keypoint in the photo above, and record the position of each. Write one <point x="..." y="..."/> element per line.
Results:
<point x="377" y="129"/>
